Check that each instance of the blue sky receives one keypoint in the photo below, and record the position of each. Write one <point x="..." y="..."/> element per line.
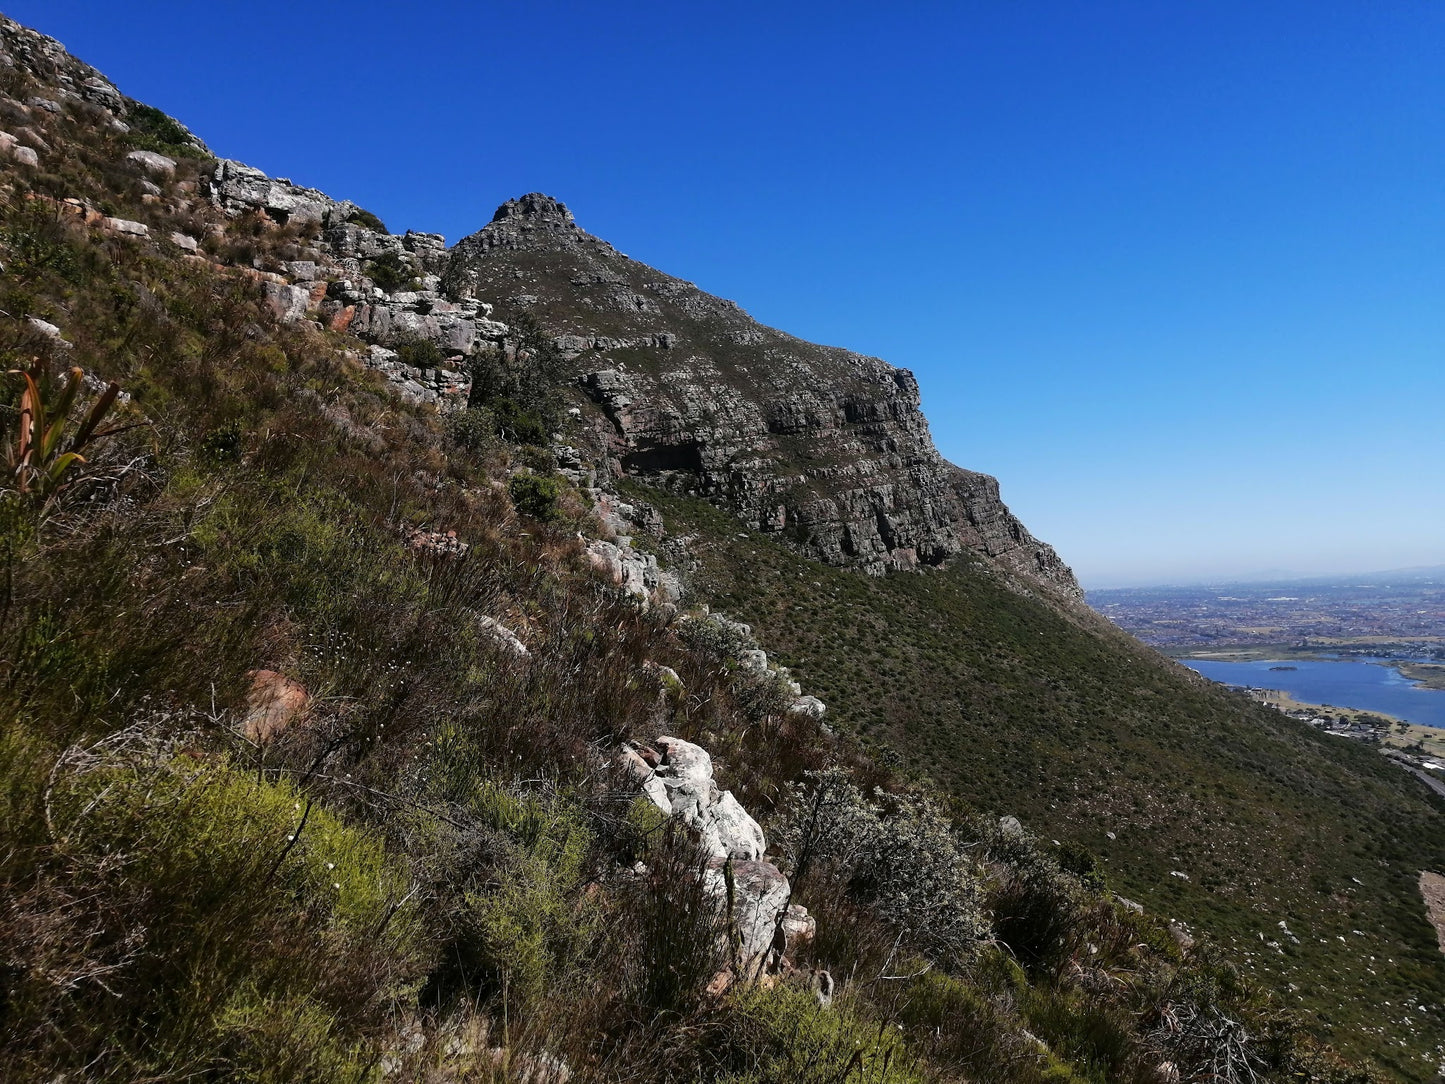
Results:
<point x="1175" y="272"/>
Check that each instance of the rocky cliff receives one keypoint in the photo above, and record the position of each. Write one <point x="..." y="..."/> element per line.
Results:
<point x="822" y="446"/>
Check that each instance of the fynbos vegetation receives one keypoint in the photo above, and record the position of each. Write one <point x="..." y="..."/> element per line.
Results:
<point x="322" y="719"/>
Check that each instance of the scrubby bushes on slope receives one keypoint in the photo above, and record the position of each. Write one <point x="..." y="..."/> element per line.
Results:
<point x="429" y="869"/>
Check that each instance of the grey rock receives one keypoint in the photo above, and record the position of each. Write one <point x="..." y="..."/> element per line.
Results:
<point x="753" y="660"/>
<point x="808" y="706"/>
<point x="151" y="162"/>
<point x="289" y="303"/>
<point x="760" y="896"/>
<point x="49" y="105"/>
<point x="236" y="188"/>
<point x="724" y="828"/>
<point x="103" y="94"/>
<point x="502" y="635"/>
<point x="185" y="242"/>
<point x="126" y="227"/>
<point x="26" y="156"/>
<point x="637" y="573"/>
<point x="49" y="330"/>
<point x="798" y="928"/>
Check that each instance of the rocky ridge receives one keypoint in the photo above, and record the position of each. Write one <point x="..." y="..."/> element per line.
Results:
<point x="827" y="448"/>
<point x="822" y="446"/>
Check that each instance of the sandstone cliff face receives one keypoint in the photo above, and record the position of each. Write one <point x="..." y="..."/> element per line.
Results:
<point x="821" y="445"/>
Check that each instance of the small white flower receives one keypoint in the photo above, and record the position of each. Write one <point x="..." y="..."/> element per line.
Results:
<point x="336" y="886"/>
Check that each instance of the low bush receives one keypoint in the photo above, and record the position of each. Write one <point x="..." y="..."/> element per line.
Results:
<point x="783" y="1034"/>
<point x="535" y="496"/>
<point x="212" y="899"/>
<point x="899" y="856"/>
<point x="390" y="272"/>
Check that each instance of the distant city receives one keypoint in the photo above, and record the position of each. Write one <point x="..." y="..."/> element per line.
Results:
<point x="1399" y="614"/>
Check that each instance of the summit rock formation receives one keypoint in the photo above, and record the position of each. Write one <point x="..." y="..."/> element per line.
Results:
<point x="825" y="447"/>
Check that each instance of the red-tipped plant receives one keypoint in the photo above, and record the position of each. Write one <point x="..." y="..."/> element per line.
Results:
<point x="43" y="446"/>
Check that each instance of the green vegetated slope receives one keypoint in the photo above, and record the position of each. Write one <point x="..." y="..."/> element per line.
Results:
<point x="1013" y="706"/>
<point x="432" y="873"/>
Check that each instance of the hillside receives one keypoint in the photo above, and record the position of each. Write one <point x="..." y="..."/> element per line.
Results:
<point x="825" y="447"/>
<point x="362" y="719"/>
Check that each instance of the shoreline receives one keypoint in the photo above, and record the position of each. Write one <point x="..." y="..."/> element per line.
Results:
<point x="1422" y="675"/>
<point x="1398" y="733"/>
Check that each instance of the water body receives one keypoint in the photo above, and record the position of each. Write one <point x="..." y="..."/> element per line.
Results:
<point x="1341" y="683"/>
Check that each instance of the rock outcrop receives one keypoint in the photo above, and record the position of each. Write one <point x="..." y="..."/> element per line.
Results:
<point x="822" y="446"/>
<point x="764" y="924"/>
<point x="71" y="82"/>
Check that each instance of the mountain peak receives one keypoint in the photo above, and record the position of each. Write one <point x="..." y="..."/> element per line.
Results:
<point x="536" y="206"/>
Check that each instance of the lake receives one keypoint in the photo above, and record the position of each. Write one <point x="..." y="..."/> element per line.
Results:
<point x="1342" y="683"/>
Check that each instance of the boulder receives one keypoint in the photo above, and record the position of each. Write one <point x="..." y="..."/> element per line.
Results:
<point x="798" y="927"/>
<point x="272" y="705"/>
<point x="26" y="156"/>
<point x="153" y="163"/>
<point x="760" y="896"/>
<point x="723" y="826"/>
<point x="808" y="706"/>
<point x="185" y="242"/>
<point x="126" y="227"/>
<point x="289" y="303"/>
<point x="49" y="330"/>
<point x="502" y="635"/>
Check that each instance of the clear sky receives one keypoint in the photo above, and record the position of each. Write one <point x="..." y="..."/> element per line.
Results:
<point x="1174" y="272"/>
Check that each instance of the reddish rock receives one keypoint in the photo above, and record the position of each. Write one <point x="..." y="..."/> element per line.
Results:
<point x="273" y="704"/>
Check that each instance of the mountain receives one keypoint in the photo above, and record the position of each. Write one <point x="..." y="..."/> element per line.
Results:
<point x="505" y="661"/>
<point x="818" y="445"/>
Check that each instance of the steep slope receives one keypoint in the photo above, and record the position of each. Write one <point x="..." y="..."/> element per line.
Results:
<point x="291" y="515"/>
<point x="821" y="446"/>
<point x="1197" y="802"/>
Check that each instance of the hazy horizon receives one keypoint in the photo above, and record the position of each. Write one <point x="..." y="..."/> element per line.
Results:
<point x="1172" y="274"/>
<point x="1265" y="576"/>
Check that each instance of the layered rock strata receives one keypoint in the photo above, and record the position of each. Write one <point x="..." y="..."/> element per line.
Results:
<point x="822" y="446"/>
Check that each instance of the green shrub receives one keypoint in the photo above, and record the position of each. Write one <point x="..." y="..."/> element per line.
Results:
<point x="517" y="425"/>
<point x="899" y="856"/>
<point x="783" y="1034"/>
<point x="526" y="373"/>
<point x="213" y="900"/>
<point x="390" y="272"/>
<point x="419" y="353"/>
<point x="966" y="1025"/>
<point x="223" y="444"/>
<point x="527" y="927"/>
<point x="535" y="496"/>
<point x="669" y="934"/>
<point x="473" y="429"/>
<point x="366" y="219"/>
<point x="152" y="130"/>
